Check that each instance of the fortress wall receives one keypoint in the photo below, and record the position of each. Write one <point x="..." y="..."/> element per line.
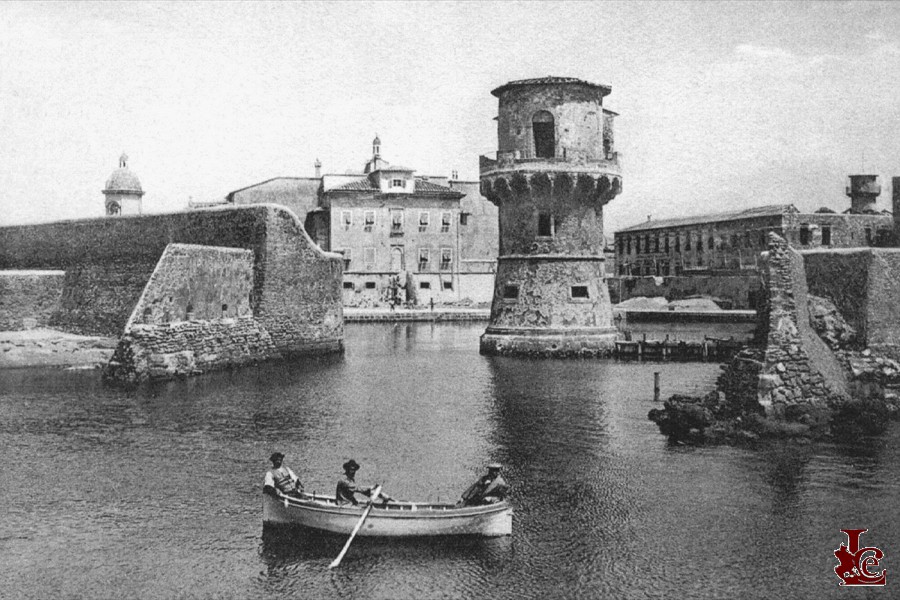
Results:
<point x="293" y="288"/>
<point x="798" y="367"/>
<point x="194" y="315"/>
<point x="29" y="298"/>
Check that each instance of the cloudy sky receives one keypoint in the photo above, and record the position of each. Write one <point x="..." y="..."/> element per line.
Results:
<point x="721" y="105"/>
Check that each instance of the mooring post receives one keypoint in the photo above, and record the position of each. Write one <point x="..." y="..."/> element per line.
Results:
<point x="656" y="386"/>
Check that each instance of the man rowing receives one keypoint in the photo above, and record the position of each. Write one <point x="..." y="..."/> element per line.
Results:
<point x="347" y="488"/>
<point x="280" y="478"/>
<point x="488" y="489"/>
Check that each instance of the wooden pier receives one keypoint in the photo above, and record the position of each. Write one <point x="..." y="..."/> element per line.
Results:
<point x="709" y="349"/>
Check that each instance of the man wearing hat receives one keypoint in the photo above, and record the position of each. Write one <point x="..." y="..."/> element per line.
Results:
<point x="281" y="478"/>
<point x="347" y="487"/>
<point x="487" y="490"/>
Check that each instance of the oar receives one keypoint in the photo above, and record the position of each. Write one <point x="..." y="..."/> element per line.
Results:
<point x="359" y="523"/>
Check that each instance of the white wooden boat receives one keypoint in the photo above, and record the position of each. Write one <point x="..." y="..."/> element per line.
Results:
<point x="396" y="519"/>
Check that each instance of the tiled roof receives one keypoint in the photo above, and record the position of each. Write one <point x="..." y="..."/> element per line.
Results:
<point x="422" y="187"/>
<point x="317" y="179"/>
<point x="550" y="80"/>
<point x="772" y="210"/>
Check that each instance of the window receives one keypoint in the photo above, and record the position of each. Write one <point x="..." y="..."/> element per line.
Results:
<point x="346" y="218"/>
<point x="869" y="236"/>
<point x="369" y="256"/>
<point x="463" y="219"/>
<point x="628" y="245"/>
<point x="424" y="218"/>
<point x="712" y="243"/>
<point x="656" y="244"/>
<point x="424" y="285"/>
<point x="446" y="258"/>
<point x="348" y="285"/>
<point x="396" y="183"/>
<point x="545" y="224"/>
<point x="448" y="285"/>
<point x="510" y="292"/>
<point x="762" y="239"/>
<point x="700" y="242"/>
<point x="423" y="259"/>
<point x="677" y="243"/>
<point x="348" y="256"/>
<point x="687" y="242"/>
<point x="369" y="220"/>
<point x="396" y="221"/>
<point x="370" y="285"/>
<point x="544" y="134"/>
<point x="579" y="291"/>
<point x="637" y="245"/>
<point x="826" y="235"/>
<point x="666" y="247"/>
<point x="445" y="222"/>
<point x="804" y="234"/>
<point x="621" y="246"/>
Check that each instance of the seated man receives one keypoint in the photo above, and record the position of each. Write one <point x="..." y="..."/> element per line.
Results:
<point x="487" y="490"/>
<point x="347" y="488"/>
<point x="281" y="479"/>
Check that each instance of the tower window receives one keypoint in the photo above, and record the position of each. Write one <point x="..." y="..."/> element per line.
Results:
<point x="544" y="134"/>
<point x="545" y="224"/>
<point x="463" y="218"/>
<point x="869" y="236"/>
<point x="826" y="235"/>
<point x="348" y="285"/>
<point x="579" y="291"/>
<point x="510" y="292"/>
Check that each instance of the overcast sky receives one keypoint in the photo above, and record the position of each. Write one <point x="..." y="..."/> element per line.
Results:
<point x="721" y="106"/>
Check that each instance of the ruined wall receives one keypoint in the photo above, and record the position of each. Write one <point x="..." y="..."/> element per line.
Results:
<point x="798" y="367"/>
<point x="194" y="315"/>
<point x="29" y="299"/>
<point x="741" y="291"/>
<point x="296" y="287"/>
<point x="864" y="284"/>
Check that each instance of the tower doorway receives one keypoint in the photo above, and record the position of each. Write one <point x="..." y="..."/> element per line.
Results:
<point x="544" y="134"/>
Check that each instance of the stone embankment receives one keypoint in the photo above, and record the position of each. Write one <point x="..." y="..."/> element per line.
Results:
<point x="440" y="313"/>
<point x="808" y="374"/>
<point x="49" y="348"/>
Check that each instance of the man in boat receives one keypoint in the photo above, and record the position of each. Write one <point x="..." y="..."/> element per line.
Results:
<point x="280" y="478"/>
<point x="487" y="490"/>
<point x="347" y="487"/>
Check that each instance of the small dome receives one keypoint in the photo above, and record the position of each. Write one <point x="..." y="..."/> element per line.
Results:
<point x="376" y="141"/>
<point x="123" y="180"/>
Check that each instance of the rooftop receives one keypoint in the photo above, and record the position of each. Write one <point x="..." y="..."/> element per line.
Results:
<point x="551" y="80"/>
<point x="771" y="210"/>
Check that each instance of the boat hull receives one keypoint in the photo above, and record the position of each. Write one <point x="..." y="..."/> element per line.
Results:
<point x="397" y="519"/>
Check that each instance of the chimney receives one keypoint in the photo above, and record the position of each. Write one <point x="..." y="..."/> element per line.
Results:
<point x="318" y="166"/>
<point x="863" y="192"/>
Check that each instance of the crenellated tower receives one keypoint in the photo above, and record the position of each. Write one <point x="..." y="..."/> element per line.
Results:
<point x="556" y="168"/>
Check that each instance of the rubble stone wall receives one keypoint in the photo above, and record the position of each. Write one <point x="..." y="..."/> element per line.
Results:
<point x="798" y="367"/>
<point x="28" y="299"/>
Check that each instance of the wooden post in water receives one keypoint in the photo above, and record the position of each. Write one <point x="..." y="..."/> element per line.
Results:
<point x="656" y="386"/>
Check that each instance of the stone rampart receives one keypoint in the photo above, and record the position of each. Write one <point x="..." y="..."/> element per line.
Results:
<point x="294" y="292"/>
<point x="798" y="367"/>
<point x="864" y="284"/>
<point x="194" y="315"/>
<point x="29" y="299"/>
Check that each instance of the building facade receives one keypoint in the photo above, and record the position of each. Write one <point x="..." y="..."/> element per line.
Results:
<point x="556" y="168"/>
<point x="733" y="241"/>
<point x="123" y="192"/>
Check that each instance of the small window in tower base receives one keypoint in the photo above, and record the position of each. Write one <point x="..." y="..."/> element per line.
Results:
<point x="580" y="292"/>
<point x="370" y="285"/>
<point x="510" y="292"/>
<point x="424" y="285"/>
<point x="348" y="285"/>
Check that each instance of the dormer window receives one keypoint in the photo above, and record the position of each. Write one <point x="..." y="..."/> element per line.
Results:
<point x="397" y="183"/>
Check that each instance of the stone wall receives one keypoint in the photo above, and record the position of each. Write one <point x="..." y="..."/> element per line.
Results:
<point x="798" y="367"/>
<point x="742" y="291"/>
<point x="194" y="315"/>
<point x="864" y="284"/>
<point x="296" y="287"/>
<point x="29" y="299"/>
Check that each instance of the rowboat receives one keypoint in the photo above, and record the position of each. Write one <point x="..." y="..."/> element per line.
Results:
<point x="396" y="519"/>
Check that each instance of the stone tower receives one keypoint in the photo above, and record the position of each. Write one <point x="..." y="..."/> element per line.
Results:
<point x="556" y="168"/>
<point x="123" y="191"/>
<point x="863" y="192"/>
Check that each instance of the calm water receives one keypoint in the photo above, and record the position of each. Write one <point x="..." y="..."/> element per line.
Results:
<point x="155" y="493"/>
